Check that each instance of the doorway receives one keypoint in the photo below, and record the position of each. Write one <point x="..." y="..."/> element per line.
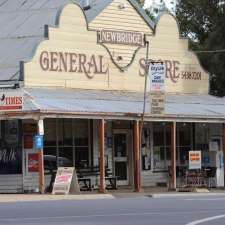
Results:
<point x="122" y="153"/>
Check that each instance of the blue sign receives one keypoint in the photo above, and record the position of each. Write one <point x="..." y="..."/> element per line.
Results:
<point x="39" y="142"/>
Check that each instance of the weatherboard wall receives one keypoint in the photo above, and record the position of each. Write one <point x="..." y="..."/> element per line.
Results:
<point x="74" y="36"/>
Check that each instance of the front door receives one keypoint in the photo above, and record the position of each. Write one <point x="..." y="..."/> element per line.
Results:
<point x="120" y="146"/>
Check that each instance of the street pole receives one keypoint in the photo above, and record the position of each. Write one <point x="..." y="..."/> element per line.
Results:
<point x="145" y="92"/>
<point x="143" y="114"/>
<point x="41" y="161"/>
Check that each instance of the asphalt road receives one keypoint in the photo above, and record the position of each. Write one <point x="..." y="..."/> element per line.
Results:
<point x="122" y="211"/>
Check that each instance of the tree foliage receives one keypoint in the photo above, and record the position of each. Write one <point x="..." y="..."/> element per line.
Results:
<point x="203" y="21"/>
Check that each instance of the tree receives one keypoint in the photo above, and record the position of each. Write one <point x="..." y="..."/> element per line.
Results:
<point x="203" y="21"/>
<point x="141" y="3"/>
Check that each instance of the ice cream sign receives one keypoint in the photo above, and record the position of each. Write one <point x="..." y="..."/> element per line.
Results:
<point x="11" y="100"/>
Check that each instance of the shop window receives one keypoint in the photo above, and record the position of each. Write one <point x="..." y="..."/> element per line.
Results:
<point x="10" y="147"/>
<point x="81" y="132"/>
<point x="50" y="132"/>
<point x="65" y="156"/>
<point x="66" y="142"/>
<point x="161" y="145"/>
<point x="65" y="132"/>
<point x="81" y="157"/>
<point x="81" y="143"/>
<point x="50" y="159"/>
<point x="184" y="142"/>
<point x="202" y="137"/>
<point x="146" y="148"/>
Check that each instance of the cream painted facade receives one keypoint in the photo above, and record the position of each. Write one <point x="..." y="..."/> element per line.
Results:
<point x="72" y="58"/>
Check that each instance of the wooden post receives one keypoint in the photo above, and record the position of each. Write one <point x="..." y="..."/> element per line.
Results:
<point x="41" y="161"/>
<point x="41" y="172"/>
<point x="224" y="152"/>
<point x="173" y="156"/>
<point x="102" y="155"/>
<point x="137" y="172"/>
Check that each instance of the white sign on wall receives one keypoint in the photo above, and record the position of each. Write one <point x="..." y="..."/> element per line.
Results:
<point x="195" y="160"/>
<point x="157" y="75"/>
<point x="157" y="103"/>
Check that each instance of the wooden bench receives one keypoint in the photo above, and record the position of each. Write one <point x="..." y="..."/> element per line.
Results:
<point x="85" y="174"/>
<point x="85" y="184"/>
<point x="111" y="182"/>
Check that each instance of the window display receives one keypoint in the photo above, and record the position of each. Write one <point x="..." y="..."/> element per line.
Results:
<point x="67" y="140"/>
<point x="10" y="147"/>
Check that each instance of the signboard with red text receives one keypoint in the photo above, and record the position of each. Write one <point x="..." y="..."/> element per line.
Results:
<point x="195" y="160"/>
<point x="66" y="181"/>
<point x="11" y="100"/>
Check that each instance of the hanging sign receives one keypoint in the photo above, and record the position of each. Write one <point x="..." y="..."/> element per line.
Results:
<point x="195" y="160"/>
<point x="157" y="103"/>
<point x="11" y="100"/>
<point x="66" y="181"/>
<point x="157" y="75"/>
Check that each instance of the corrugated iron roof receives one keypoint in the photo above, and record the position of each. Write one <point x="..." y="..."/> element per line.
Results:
<point x="22" y="28"/>
<point x="119" y="102"/>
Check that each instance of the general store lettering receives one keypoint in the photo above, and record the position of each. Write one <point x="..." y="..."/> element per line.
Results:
<point x="173" y="71"/>
<point x="73" y="63"/>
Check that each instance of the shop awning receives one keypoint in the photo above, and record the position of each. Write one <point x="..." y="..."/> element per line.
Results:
<point x="112" y="104"/>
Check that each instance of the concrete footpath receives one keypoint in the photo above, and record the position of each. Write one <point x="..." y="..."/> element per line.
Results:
<point x="151" y="193"/>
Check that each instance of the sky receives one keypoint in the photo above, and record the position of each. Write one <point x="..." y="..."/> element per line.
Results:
<point x="148" y="2"/>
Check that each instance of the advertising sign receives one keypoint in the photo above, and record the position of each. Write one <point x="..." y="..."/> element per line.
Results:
<point x="11" y="100"/>
<point x="157" y="103"/>
<point x="156" y="75"/>
<point x="32" y="162"/>
<point x="195" y="160"/>
<point x="64" y="178"/>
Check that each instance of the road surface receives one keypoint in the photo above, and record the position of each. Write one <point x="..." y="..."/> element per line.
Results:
<point x="120" y="211"/>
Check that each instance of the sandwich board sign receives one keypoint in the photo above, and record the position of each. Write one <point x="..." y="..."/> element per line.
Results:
<point x="66" y="181"/>
<point x="195" y="160"/>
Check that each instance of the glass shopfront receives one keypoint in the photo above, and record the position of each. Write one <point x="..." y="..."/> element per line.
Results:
<point x="161" y="146"/>
<point x="200" y="137"/>
<point x="10" y="147"/>
<point x="66" y="143"/>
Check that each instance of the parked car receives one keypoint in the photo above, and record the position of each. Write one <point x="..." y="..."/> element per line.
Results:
<point x="50" y="163"/>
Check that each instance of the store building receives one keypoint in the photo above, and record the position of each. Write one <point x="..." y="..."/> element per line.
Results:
<point x="80" y="68"/>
